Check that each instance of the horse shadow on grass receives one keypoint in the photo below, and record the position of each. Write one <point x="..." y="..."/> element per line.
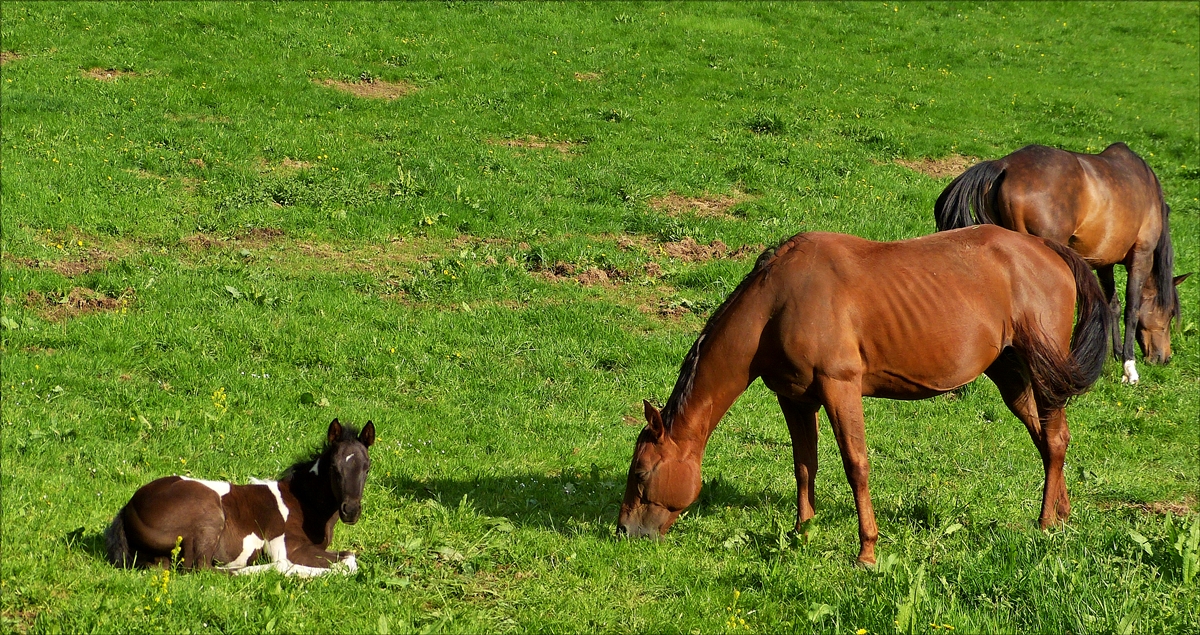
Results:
<point x="586" y="504"/>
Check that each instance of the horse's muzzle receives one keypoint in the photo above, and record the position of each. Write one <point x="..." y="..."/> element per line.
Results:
<point x="637" y="531"/>
<point x="349" y="512"/>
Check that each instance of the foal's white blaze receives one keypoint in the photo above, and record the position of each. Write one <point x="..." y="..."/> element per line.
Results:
<point x="1131" y="374"/>
<point x="316" y="468"/>
<point x="220" y="487"/>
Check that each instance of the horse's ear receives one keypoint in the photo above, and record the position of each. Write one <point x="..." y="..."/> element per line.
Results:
<point x="335" y="432"/>
<point x="1179" y="279"/>
<point x="367" y="436"/>
<point x="653" y="418"/>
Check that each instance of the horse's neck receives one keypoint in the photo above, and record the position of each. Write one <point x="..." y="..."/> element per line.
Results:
<point x="316" y="500"/>
<point x="723" y="370"/>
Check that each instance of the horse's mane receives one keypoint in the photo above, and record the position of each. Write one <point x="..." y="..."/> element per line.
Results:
<point x="691" y="361"/>
<point x="349" y="433"/>
<point x="1163" y="268"/>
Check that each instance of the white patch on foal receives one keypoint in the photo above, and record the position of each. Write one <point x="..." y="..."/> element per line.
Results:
<point x="274" y="487"/>
<point x="250" y="544"/>
<point x="276" y="550"/>
<point x="1131" y="376"/>
<point x="220" y="487"/>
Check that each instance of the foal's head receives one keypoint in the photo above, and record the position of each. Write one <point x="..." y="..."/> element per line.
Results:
<point x="346" y="456"/>
<point x="1154" y="321"/>
<point x="663" y="481"/>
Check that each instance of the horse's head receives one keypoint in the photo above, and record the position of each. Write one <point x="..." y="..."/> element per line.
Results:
<point x="348" y="468"/>
<point x="663" y="480"/>
<point x="1154" y="321"/>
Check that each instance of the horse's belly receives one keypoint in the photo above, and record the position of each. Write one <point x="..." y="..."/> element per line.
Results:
<point x="929" y="366"/>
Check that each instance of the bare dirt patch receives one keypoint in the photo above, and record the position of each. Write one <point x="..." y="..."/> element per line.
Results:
<point x="293" y="164"/>
<point x="201" y="241"/>
<point x="78" y="301"/>
<point x="252" y="237"/>
<point x="688" y="250"/>
<point x="952" y="165"/>
<point x="593" y="277"/>
<point x="286" y="166"/>
<point x="373" y="89"/>
<point x="107" y="74"/>
<point x="1181" y="508"/>
<point x="716" y="206"/>
<point x="587" y="77"/>
<point x="589" y="277"/>
<point x="9" y="56"/>
<point x="92" y="260"/>
<point x="536" y="143"/>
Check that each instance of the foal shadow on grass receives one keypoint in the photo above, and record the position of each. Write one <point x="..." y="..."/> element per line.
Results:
<point x="576" y="502"/>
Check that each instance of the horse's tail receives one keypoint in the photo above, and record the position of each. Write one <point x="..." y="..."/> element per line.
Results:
<point x="969" y="193"/>
<point x="116" y="543"/>
<point x="1055" y="377"/>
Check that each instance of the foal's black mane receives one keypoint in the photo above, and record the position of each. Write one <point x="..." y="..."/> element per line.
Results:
<point x="687" y="371"/>
<point x="349" y="433"/>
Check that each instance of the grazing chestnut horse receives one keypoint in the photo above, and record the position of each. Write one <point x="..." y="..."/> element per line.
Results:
<point x="1108" y="207"/>
<point x="827" y="319"/>
<point x="290" y="520"/>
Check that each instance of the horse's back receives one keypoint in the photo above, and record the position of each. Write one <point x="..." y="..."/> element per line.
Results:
<point x="920" y="316"/>
<point x="1100" y="205"/>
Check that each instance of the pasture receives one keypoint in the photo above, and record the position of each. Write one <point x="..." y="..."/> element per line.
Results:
<point x="493" y="229"/>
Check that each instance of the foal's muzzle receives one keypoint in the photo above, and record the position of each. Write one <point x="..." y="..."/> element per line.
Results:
<point x="349" y="512"/>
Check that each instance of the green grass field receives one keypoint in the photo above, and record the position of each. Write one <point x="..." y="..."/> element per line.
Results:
<point x="500" y="262"/>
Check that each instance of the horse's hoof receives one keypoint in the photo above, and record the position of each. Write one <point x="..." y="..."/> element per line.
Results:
<point x="1131" y="375"/>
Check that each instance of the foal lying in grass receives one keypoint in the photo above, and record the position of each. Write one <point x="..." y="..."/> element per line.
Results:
<point x="290" y="520"/>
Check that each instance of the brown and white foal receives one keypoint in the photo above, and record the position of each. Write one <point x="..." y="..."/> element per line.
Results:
<point x="290" y="520"/>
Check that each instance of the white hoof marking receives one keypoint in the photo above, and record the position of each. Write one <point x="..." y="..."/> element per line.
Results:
<point x="1131" y="375"/>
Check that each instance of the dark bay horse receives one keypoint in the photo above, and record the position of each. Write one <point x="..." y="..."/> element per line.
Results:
<point x="291" y="520"/>
<point x="826" y="319"/>
<point x="1108" y="207"/>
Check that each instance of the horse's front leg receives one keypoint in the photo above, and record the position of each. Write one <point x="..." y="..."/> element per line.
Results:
<point x="311" y="560"/>
<point x="843" y="404"/>
<point x="802" y="426"/>
<point x="1139" y="270"/>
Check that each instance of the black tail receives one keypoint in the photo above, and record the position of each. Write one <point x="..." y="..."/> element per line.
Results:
<point x="969" y="192"/>
<point x="1056" y="379"/>
<point x="117" y="544"/>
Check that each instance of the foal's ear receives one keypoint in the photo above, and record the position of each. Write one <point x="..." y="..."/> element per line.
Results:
<point x="367" y="436"/>
<point x="653" y="418"/>
<point x="335" y="432"/>
<point x="1179" y="279"/>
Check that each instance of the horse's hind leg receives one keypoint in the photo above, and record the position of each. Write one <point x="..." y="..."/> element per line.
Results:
<point x="802" y="425"/>
<point x="843" y="404"/>
<point x="1058" y="437"/>
<point x="1008" y="375"/>
<point x="1109" y="286"/>
<point x="200" y="548"/>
